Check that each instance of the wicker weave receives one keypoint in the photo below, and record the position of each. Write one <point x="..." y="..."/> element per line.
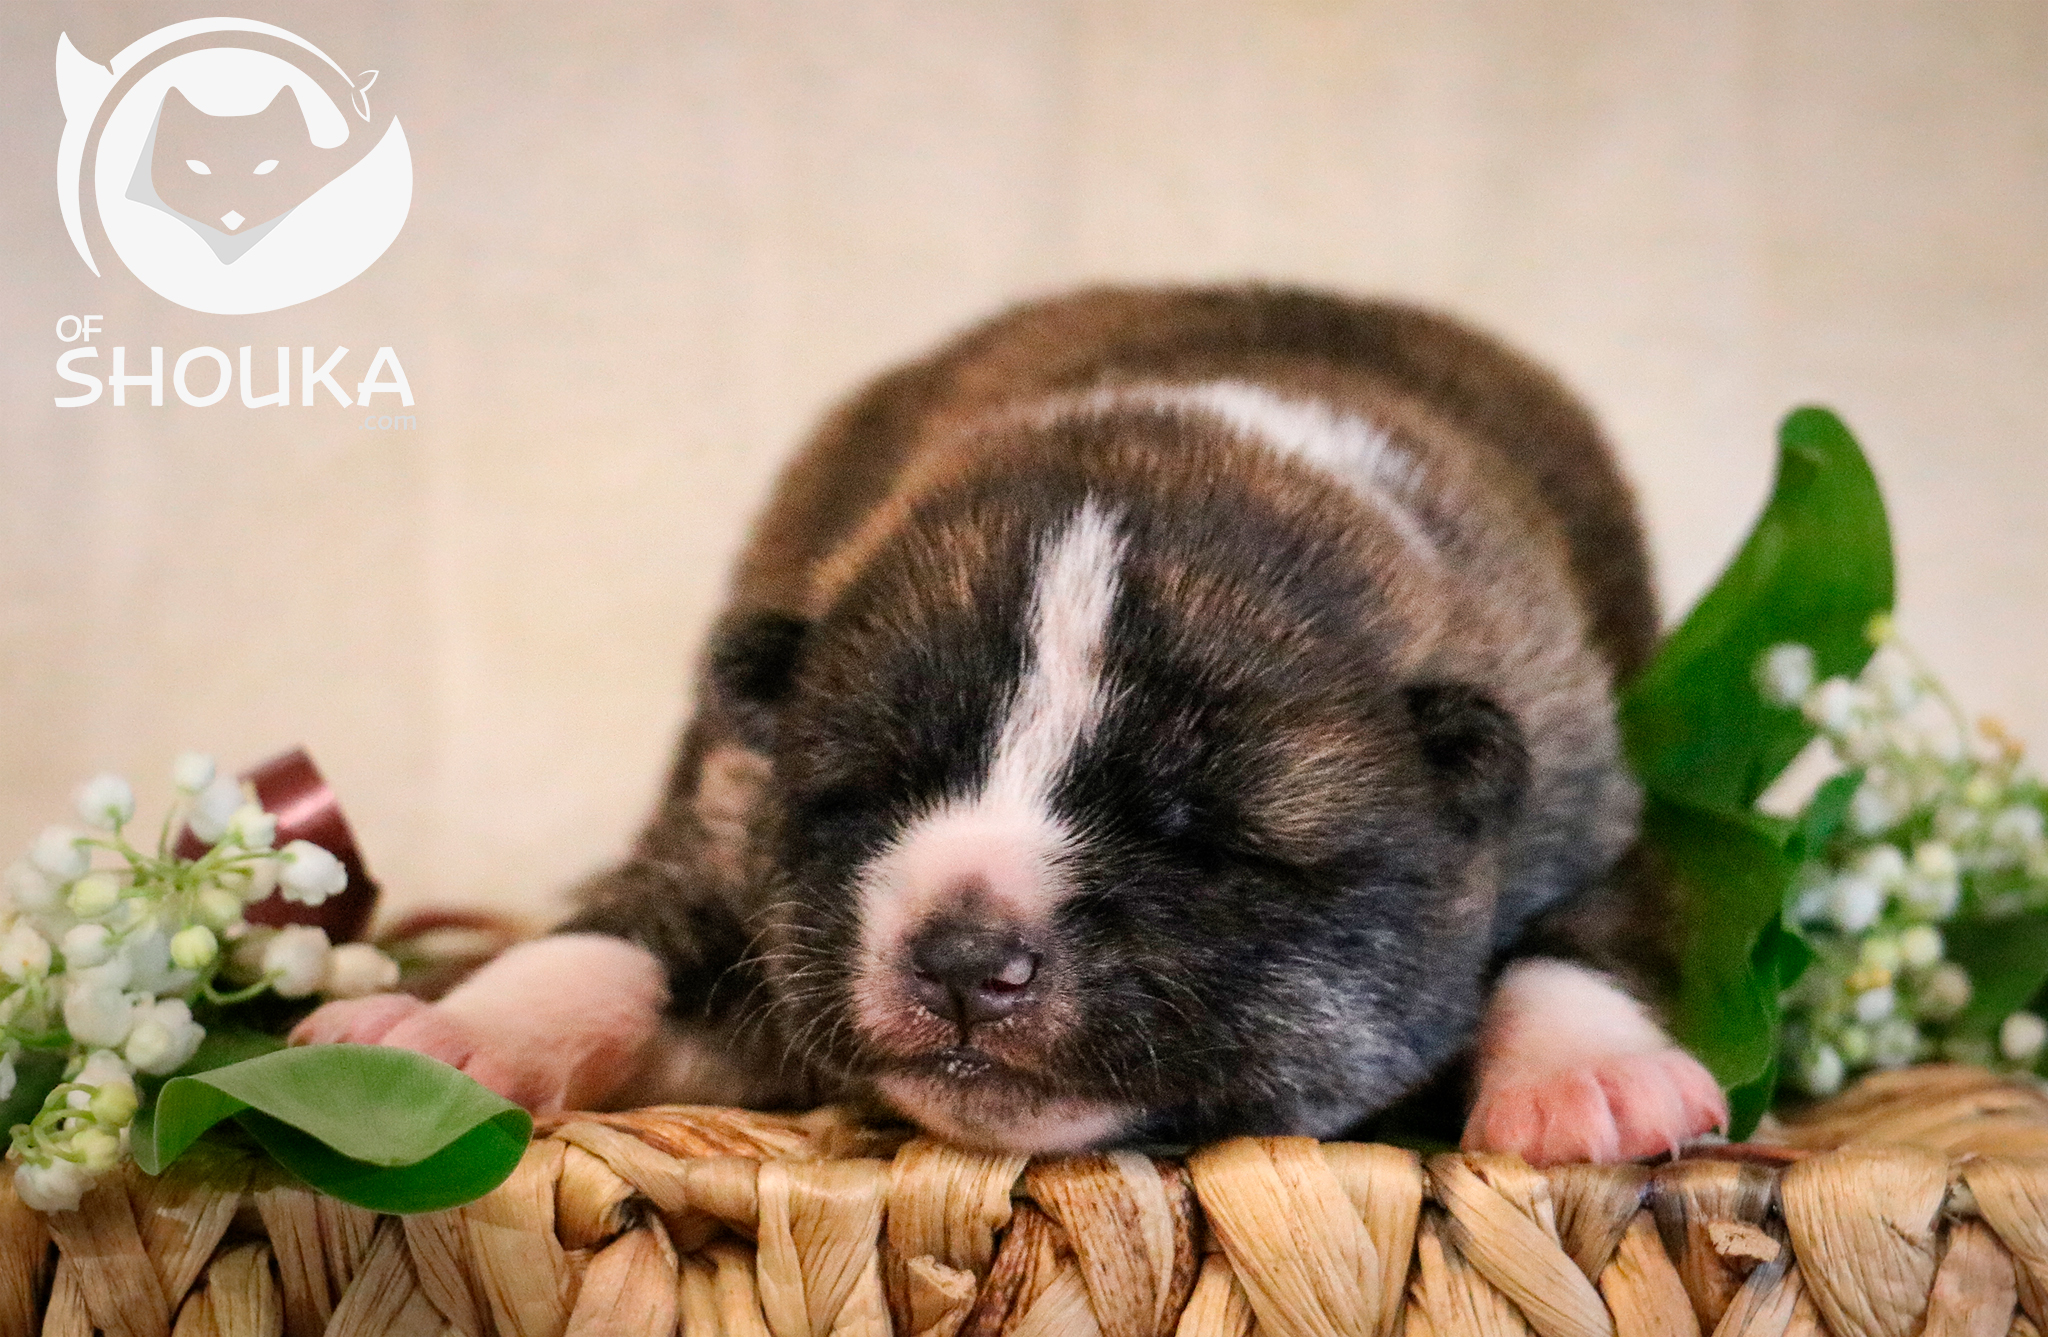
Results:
<point x="1916" y="1203"/>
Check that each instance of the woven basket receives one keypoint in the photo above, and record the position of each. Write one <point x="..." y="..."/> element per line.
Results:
<point x="1918" y="1202"/>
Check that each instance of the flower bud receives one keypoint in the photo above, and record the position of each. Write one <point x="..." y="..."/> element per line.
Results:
<point x="1920" y="946"/>
<point x="194" y="948"/>
<point x="296" y="960"/>
<point x="2021" y="1036"/>
<point x="1890" y="678"/>
<point x="1895" y="1043"/>
<point x="192" y="772"/>
<point x="94" y="895"/>
<point x="2018" y="828"/>
<point x="1945" y="992"/>
<point x="1874" y="807"/>
<point x="1881" y="955"/>
<point x="24" y="953"/>
<point x="57" y="854"/>
<point x="1785" y="674"/>
<point x="1833" y="705"/>
<point x="105" y="802"/>
<point x="1883" y="864"/>
<point x="25" y="887"/>
<point x="309" y="874"/>
<point x="218" y="907"/>
<point x="356" y="969"/>
<point x="1854" y="902"/>
<point x="1854" y="1042"/>
<point x="114" y="1104"/>
<point x="86" y="945"/>
<point x="1821" y="1070"/>
<point x="212" y="809"/>
<point x="1981" y="791"/>
<point x="99" y="1147"/>
<point x="103" y="1067"/>
<point x="251" y="828"/>
<point x="1874" y="1005"/>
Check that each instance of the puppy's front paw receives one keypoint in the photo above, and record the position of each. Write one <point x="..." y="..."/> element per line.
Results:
<point x="557" y="1023"/>
<point x="1607" y="1107"/>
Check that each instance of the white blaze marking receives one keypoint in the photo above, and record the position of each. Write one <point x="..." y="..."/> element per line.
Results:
<point x="1346" y="447"/>
<point x="1004" y="836"/>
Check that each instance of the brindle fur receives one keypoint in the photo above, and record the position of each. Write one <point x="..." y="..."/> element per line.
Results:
<point x="910" y="514"/>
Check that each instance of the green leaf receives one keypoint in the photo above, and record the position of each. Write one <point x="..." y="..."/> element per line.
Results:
<point x="1729" y="873"/>
<point x="2008" y="964"/>
<point x="1816" y="569"/>
<point x="383" y="1128"/>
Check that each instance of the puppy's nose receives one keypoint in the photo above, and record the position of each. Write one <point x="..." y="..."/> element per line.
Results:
<point x="971" y="974"/>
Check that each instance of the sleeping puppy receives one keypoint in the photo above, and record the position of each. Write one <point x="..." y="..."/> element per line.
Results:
<point x="1157" y="715"/>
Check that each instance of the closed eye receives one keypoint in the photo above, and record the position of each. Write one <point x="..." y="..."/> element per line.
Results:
<point x="268" y="164"/>
<point x="199" y="167"/>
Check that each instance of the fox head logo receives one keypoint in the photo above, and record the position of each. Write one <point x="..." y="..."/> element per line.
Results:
<point x="233" y="166"/>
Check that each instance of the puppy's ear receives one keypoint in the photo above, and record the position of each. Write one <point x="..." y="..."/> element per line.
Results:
<point x="1475" y="749"/>
<point x="755" y="653"/>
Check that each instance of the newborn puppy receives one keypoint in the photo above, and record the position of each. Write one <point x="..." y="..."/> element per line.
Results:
<point x="1157" y="715"/>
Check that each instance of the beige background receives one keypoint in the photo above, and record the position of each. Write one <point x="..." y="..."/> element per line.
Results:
<point x="648" y="243"/>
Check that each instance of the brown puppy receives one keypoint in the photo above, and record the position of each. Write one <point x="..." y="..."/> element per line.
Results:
<point x="1159" y="714"/>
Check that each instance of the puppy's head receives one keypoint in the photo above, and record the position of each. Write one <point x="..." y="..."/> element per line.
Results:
<point x="1102" y="810"/>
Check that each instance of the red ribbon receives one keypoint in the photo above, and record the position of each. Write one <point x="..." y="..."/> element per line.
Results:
<point x="290" y="788"/>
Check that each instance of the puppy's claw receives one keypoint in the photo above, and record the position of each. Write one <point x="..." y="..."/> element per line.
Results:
<point x="1608" y="1108"/>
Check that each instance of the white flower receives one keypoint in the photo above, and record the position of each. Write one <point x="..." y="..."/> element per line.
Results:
<point x="260" y="880"/>
<point x="164" y="1038"/>
<point x="24" y="953"/>
<point x="1883" y="864"/>
<point x="26" y="888"/>
<point x="213" y="807"/>
<point x="1821" y="1070"/>
<point x="1854" y="902"/>
<point x="2018" y="828"/>
<point x="96" y="1011"/>
<point x="105" y="802"/>
<point x="1890" y="677"/>
<point x="87" y="945"/>
<point x="1881" y="954"/>
<point x="2020" y="1037"/>
<point x="1785" y="674"/>
<point x="296" y="959"/>
<point x="7" y="1075"/>
<point x="355" y="969"/>
<point x="1945" y="992"/>
<point x="55" y="1187"/>
<point x="309" y="874"/>
<point x="58" y="855"/>
<point x="1875" y="807"/>
<point x="1833" y="705"/>
<point x="194" y="947"/>
<point x="192" y="772"/>
<point x="94" y="895"/>
<point x="1895" y="1044"/>
<point x="103" y="1067"/>
<point x="218" y="907"/>
<point x="1934" y="883"/>
<point x="1920" y="946"/>
<point x="251" y="828"/>
<point x="1952" y="822"/>
<point x="1874" y="1005"/>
